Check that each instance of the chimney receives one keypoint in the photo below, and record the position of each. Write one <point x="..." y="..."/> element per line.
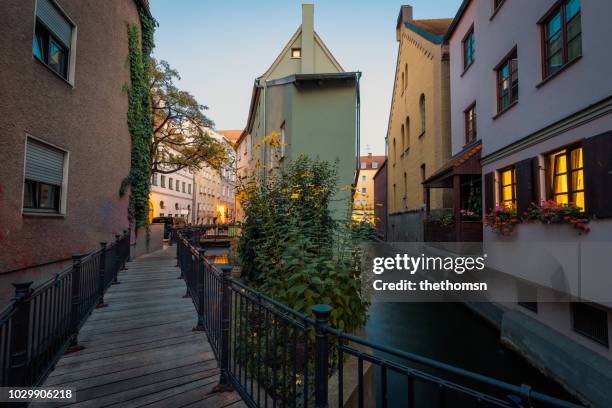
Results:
<point x="308" y="42"/>
<point x="405" y="16"/>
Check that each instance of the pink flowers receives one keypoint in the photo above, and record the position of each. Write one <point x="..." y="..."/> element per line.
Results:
<point x="501" y="220"/>
<point x="550" y="212"/>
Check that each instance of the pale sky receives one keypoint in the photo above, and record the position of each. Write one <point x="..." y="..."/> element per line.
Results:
<point x="220" y="47"/>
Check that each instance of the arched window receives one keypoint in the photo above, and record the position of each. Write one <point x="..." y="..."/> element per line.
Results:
<point x="394" y="151"/>
<point x="405" y="190"/>
<point x="403" y="138"/>
<point x="176" y="206"/>
<point x="161" y="205"/>
<point x="405" y="75"/>
<point x="422" y="109"/>
<point x="407" y="127"/>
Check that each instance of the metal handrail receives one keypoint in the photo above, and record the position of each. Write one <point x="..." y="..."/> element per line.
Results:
<point x="237" y="317"/>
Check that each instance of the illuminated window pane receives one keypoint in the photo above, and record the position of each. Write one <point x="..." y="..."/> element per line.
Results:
<point x="577" y="158"/>
<point x="577" y="180"/>
<point x="561" y="199"/>
<point x="560" y="184"/>
<point x="507" y="177"/>
<point x="579" y="200"/>
<point x="561" y="163"/>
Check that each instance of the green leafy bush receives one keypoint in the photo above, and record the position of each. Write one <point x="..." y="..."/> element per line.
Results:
<point x="292" y="250"/>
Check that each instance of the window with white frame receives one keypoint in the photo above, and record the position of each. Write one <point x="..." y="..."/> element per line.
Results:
<point x="52" y="37"/>
<point x="44" y="181"/>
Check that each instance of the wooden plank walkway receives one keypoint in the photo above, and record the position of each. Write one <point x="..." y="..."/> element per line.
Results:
<point x="140" y="350"/>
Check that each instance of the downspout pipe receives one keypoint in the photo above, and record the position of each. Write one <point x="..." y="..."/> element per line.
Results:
<point x="358" y="124"/>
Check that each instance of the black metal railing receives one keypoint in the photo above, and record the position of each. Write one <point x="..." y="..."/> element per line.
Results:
<point x="275" y="356"/>
<point x="42" y="322"/>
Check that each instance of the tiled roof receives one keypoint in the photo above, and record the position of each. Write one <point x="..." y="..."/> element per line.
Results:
<point x="369" y="159"/>
<point x="231" y="135"/>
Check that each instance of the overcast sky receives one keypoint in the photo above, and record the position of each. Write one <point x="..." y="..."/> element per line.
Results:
<point x="219" y="47"/>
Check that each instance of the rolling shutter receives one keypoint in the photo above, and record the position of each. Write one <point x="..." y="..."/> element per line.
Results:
<point x="44" y="163"/>
<point x="597" y="153"/>
<point x="526" y="184"/>
<point x="489" y="192"/>
<point x="50" y="16"/>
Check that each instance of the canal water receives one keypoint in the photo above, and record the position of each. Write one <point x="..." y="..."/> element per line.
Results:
<point x="452" y="334"/>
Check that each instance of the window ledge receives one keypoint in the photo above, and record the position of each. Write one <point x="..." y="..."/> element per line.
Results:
<point x="70" y="84"/>
<point x="562" y="69"/>
<point x="42" y="214"/>
<point x="513" y="104"/>
<point x="466" y="69"/>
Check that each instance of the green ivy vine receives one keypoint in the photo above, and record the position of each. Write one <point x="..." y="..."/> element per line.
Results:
<point x="139" y="120"/>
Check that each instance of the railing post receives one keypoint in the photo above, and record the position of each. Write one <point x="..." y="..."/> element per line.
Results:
<point x="321" y="313"/>
<point x="224" y="379"/>
<point x="19" y="335"/>
<point x="75" y="304"/>
<point x="199" y="270"/>
<point x="117" y="263"/>
<point x="101" y="280"/>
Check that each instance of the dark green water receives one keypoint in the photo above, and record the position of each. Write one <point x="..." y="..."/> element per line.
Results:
<point x="449" y="333"/>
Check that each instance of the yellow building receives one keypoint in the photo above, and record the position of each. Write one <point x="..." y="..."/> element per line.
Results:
<point x="418" y="134"/>
<point x="363" y="200"/>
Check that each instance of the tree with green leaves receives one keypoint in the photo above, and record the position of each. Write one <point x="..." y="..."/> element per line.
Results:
<point x="181" y="138"/>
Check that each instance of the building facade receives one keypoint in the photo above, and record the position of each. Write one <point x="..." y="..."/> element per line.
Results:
<point x="535" y="74"/>
<point x="215" y="189"/>
<point x="363" y="198"/>
<point x="418" y="135"/>
<point x="311" y="104"/>
<point x="172" y="195"/>
<point x="65" y="145"/>
<point x="380" y="201"/>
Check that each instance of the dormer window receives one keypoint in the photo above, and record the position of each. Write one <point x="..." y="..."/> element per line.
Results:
<point x="296" y="53"/>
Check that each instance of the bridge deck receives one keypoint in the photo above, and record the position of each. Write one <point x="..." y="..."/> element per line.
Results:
<point x="140" y="350"/>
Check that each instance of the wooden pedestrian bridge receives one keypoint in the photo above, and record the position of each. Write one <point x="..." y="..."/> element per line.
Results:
<point x="172" y="329"/>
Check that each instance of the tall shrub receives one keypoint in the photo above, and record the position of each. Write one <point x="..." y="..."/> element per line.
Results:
<point x="294" y="251"/>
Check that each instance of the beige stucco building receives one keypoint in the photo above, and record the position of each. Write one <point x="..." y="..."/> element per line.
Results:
<point x="214" y="195"/>
<point x="363" y="199"/>
<point x="311" y="104"/>
<point x="418" y="135"/>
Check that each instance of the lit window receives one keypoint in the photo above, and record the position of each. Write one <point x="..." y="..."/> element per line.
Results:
<point x="296" y="53"/>
<point x="566" y="176"/>
<point x="507" y="188"/>
<point x="562" y="33"/>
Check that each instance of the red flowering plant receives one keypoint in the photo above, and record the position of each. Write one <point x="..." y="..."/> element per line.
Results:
<point x="502" y="220"/>
<point x="550" y="212"/>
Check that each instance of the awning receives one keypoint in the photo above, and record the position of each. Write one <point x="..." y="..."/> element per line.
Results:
<point x="466" y="162"/>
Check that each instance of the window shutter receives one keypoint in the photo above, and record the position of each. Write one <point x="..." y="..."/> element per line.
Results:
<point x="489" y="192"/>
<point x="597" y="153"/>
<point x="526" y="184"/>
<point x="44" y="163"/>
<point x="50" y="16"/>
